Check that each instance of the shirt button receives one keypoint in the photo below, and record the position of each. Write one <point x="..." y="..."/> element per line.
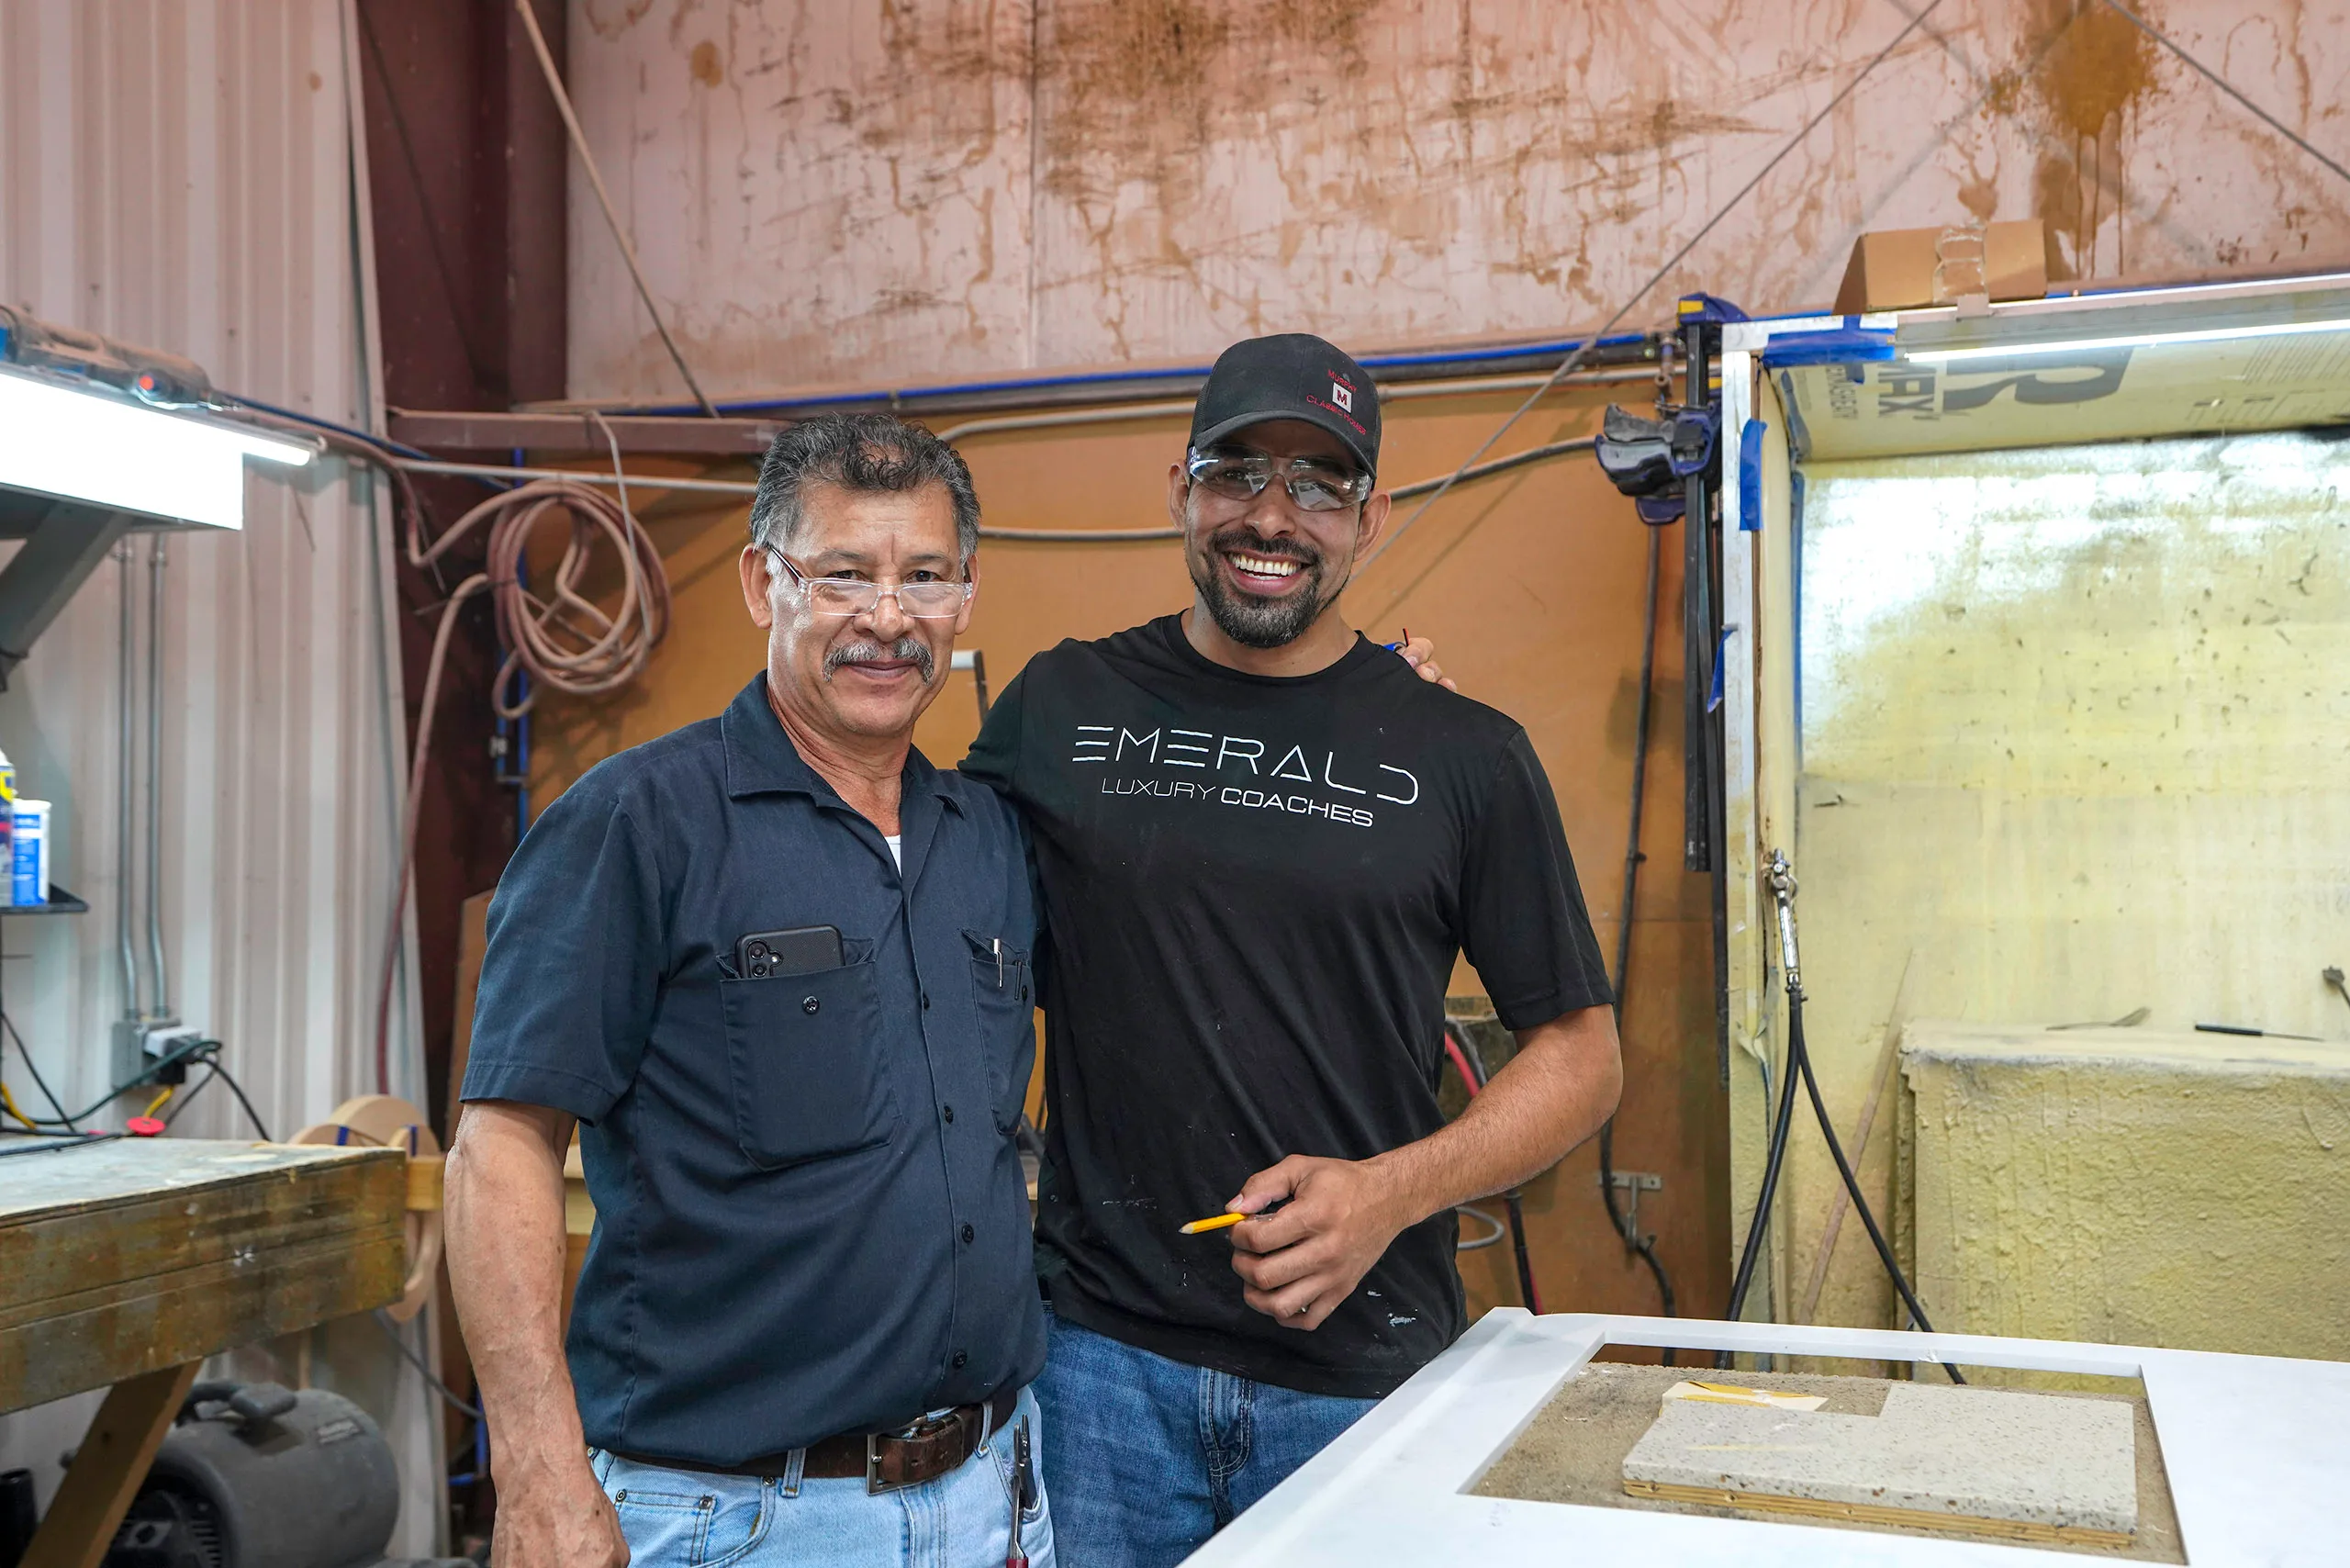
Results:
<point x="967" y="1233"/>
<point x="925" y="1001"/>
<point x="948" y="1112"/>
<point x="961" y="1357"/>
<point x="810" y="1005"/>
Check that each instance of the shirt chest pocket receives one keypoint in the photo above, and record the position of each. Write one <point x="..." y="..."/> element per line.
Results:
<point x="804" y="1052"/>
<point x="1006" y="999"/>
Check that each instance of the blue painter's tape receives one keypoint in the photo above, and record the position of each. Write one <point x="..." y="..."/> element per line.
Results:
<point x="1721" y="650"/>
<point x="1837" y="345"/>
<point x="1750" y="476"/>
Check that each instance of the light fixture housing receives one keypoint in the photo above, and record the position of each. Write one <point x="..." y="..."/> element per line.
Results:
<point x="2024" y="347"/>
<point x="88" y="444"/>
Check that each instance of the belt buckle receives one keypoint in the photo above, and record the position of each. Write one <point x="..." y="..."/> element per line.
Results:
<point x="913" y="1431"/>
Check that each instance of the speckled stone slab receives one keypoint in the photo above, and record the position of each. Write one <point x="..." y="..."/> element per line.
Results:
<point x="1978" y="1453"/>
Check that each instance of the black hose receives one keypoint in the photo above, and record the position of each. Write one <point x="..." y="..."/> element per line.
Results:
<point x="1633" y="1240"/>
<point x="1799" y="1059"/>
<point x="1775" y="1156"/>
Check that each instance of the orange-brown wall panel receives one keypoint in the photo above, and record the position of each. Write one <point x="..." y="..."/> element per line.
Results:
<point x="1531" y="585"/>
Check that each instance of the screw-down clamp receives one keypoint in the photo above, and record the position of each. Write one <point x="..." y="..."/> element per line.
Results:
<point x="1781" y="874"/>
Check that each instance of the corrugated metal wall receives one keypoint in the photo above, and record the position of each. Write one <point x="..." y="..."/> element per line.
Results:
<point x="934" y="188"/>
<point x="178" y="173"/>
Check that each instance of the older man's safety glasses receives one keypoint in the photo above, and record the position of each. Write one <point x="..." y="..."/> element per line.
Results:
<point x="936" y="599"/>
<point x="1238" y="474"/>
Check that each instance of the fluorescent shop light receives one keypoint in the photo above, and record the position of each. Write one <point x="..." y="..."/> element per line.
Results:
<point x="2139" y="341"/>
<point x="88" y="446"/>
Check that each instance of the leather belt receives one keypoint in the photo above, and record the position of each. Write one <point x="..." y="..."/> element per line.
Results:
<point x="923" y="1450"/>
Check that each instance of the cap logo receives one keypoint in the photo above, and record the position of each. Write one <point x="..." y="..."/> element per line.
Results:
<point x="1342" y="395"/>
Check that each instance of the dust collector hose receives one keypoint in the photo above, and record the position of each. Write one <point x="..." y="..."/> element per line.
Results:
<point x="563" y="640"/>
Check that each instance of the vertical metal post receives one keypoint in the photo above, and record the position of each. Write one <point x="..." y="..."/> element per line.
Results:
<point x="1696" y="629"/>
<point x="155" y="563"/>
<point x="126" y="780"/>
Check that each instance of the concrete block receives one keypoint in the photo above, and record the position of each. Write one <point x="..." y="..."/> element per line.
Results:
<point x="1971" y="1452"/>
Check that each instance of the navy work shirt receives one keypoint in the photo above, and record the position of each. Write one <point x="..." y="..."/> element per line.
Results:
<point x="809" y="1212"/>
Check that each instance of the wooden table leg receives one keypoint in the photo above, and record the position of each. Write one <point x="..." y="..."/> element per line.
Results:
<point x="107" y="1468"/>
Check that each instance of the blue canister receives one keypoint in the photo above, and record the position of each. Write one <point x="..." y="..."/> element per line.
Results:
<point x="28" y="852"/>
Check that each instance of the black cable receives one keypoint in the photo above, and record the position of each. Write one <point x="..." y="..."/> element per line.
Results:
<point x="1633" y="1240"/>
<point x="34" y="1067"/>
<point x="1518" y="1245"/>
<point x="183" y="1103"/>
<point x="234" y="1088"/>
<point x="192" y="1050"/>
<point x="1776" y="1154"/>
<point x="1799" y="1060"/>
<point x="55" y="1144"/>
<point x="442" y="1389"/>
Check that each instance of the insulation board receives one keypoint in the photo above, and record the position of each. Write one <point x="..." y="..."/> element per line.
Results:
<point x="1961" y="1453"/>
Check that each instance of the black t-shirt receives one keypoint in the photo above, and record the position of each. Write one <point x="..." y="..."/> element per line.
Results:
<point x="1255" y="887"/>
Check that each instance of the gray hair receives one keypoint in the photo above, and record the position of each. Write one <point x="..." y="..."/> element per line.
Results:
<point x="868" y="453"/>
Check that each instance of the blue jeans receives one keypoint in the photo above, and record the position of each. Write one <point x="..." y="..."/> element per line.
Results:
<point x="691" y="1518"/>
<point x="1149" y="1456"/>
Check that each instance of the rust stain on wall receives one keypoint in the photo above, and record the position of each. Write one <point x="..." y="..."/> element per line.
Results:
<point x="912" y="188"/>
<point x="2086" y="84"/>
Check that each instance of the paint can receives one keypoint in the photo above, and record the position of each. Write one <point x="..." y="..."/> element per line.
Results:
<point x="28" y="852"/>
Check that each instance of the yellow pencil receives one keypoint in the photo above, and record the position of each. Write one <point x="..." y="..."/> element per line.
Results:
<point x="1219" y="1223"/>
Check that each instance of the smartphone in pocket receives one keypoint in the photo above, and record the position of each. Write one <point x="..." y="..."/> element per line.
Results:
<point x="803" y="950"/>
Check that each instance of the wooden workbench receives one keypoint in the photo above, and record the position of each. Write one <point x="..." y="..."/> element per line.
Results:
<point x="127" y="1263"/>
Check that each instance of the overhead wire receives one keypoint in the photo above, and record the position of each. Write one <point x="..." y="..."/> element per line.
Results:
<point x="2230" y="88"/>
<point x="604" y="199"/>
<point x="565" y="641"/>
<point x="1583" y="349"/>
<point x="744" y="488"/>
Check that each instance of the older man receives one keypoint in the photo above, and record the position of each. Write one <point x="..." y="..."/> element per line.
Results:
<point x="777" y="968"/>
<point x="1262" y="843"/>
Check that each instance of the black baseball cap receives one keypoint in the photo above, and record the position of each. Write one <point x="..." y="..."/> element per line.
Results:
<point x="1291" y="375"/>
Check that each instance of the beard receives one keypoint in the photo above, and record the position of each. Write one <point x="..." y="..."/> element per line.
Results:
<point x="1248" y="620"/>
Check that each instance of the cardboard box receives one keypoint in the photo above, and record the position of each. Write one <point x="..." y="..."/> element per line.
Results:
<point x="1906" y="269"/>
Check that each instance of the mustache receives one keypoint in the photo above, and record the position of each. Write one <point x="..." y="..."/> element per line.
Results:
<point x="908" y="648"/>
<point x="1284" y="548"/>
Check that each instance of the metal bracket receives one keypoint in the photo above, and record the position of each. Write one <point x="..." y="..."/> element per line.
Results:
<point x="1633" y="1182"/>
<point x="64" y="542"/>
